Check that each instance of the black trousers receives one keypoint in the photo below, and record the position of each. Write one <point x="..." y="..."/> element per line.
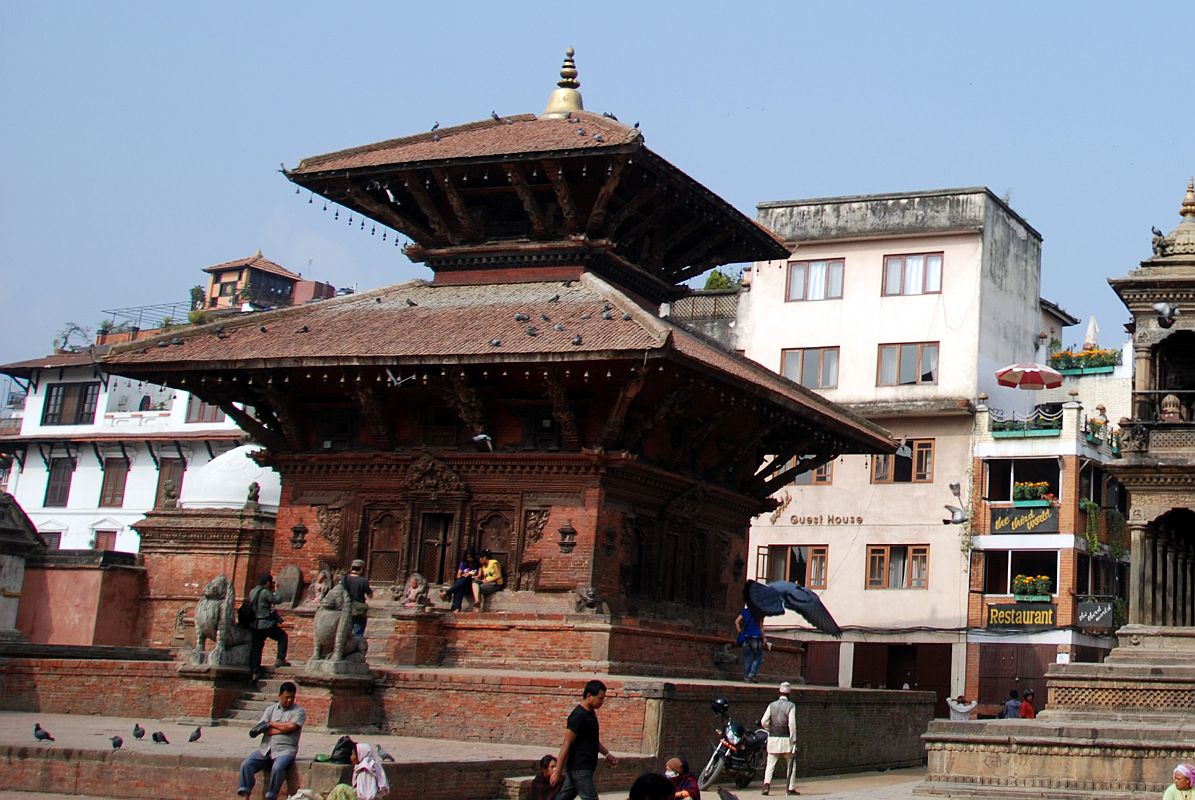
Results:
<point x="258" y="644"/>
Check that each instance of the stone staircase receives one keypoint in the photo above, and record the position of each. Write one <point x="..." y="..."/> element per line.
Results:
<point x="246" y="711"/>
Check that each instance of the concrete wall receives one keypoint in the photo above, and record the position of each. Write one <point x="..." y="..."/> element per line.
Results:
<point x="82" y="604"/>
<point x="12" y="574"/>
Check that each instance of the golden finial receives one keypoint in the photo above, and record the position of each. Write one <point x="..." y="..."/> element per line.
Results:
<point x="1188" y="206"/>
<point x="565" y="99"/>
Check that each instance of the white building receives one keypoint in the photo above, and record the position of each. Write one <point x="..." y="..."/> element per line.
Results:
<point x="92" y="453"/>
<point x="900" y="307"/>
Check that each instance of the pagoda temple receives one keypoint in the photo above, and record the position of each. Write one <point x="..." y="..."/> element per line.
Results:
<point x="533" y="399"/>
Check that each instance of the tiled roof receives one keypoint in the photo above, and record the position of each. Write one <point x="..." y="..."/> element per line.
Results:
<point x="58" y="360"/>
<point x="418" y="322"/>
<point x="521" y="134"/>
<point x="209" y="434"/>
<point x="257" y="262"/>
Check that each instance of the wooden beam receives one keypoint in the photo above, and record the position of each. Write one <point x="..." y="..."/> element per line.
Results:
<point x="672" y="402"/>
<point x="394" y="218"/>
<point x="563" y="196"/>
<point x="637" y="202"/>
<point x="539" y="225"/>
<point x="656" y="258"/>
<point x="616" y="419"/>
<point x="562" y="412"/>
<point x="803" y="465"/>
<point x="428" y="207"/>
<point x="248" y="423"/>
<point x="597" y="215"/>
<point x="283" y="408"/>
<point x="653" y="218"/>
<point x="457" y="202"/>
<point x="374" y="410"/>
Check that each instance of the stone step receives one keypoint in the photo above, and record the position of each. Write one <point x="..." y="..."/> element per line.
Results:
<point x="250" y="705"/>
<point x="243" y="714"/>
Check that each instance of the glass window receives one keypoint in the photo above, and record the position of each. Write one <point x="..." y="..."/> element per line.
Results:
<point x="812" y="367"/>
<point x="105" y="540"/>
<point x="822" y="476"/>
<point x="58" y="486"/>
<point x="907" y="364"/>
<point x="70" y="404"/>
<point x="116" y="474"/>
<point x="898" y="566"/>
<point x="815" y="280"/>
<point x="199" y="411"/>
<point x="916" y="273"/>
<point x="804" y="565"/>
<point x="913" y="462"/>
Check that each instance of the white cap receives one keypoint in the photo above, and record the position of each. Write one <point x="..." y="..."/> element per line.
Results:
<point x="784" y="687"/>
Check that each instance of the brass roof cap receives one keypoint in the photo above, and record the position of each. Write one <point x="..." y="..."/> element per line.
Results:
<point x="1187" y="209"/>
<point x="565" y="99"/>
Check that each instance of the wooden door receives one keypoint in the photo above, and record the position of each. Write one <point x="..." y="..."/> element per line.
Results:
<point x="434" y="564"/>
<point x="386" y="545"/>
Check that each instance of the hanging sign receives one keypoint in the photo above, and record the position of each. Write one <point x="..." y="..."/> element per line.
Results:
<point x="1025" y="520"/>
<point x="1094" y="614"/>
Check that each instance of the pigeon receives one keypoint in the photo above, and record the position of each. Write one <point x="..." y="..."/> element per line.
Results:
<point x="532" y="330"/>
<point x="726" y="794"/>
<point x="263" y="329"/>
<point x="608" y="115"/>
<point x="636" y="126"/>
<point x="138" y="731"/>
<point x="382" y="754"/>
<point x="626" y="315"/>
<point x="1154" y="230"/>
<point x="577" y="340"/>
<point x="580" y="131"/>
<point x="770" y="600"/>
<point x="411" y="302"/>
<point x="554" y="298"/>
<point x="545" y="317"/>
<point x="195" y="734"/>
<point x="495" y="342"/>
<point x="957" y="516"/>
<point x="520" y="317"/>
<point x="597" y="137"/>
<point x="559" y="326"/>
<point x="494" y="116"/>
<point x="117" y="742"/>
<point x="159" y="737"/>
<point x="436" y="127"/>
<point x="41" y="734"/>
<point x="304" y="329"/>
<point x="607" y="315"/>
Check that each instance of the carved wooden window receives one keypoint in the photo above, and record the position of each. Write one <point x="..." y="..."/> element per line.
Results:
<point x="58" y="485"/>
<point x="104" y="540"/>
<point x="493" y="534"/>
<point x="540" y="429"/>
<point x="441" y="426"/>
<point x="116" y="474"/>
<point x="336" y="428"/>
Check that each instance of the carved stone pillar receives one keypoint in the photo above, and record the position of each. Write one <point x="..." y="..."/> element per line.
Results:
<point x="1184" y="587"/>
<point x="1143" y="571"/>
<point x="1137" y="580"/>
<point x="1143" y="375"/>
<point x="1157" y="586"/>
<point x="1172" y="585"/>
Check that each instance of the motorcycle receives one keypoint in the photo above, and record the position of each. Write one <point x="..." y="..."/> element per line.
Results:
<point x="739" y="751"/>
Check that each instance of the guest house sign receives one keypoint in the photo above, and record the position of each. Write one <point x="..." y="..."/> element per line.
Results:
<point x="825" y="519"/>
<point x="1025" y="520"/>
<point x="1023" y="615"/>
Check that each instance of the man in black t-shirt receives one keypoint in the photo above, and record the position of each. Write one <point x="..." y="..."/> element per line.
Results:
<point x="582" y="743"/>
<point x="357" y="585"/>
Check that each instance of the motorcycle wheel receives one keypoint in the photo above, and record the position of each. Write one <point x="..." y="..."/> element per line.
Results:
<point x="711" y="772"/>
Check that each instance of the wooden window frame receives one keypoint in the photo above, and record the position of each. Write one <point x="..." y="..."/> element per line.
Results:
<point x="897" y="346"/>
<point x="199" y="411"/>
<point x="924" y="276"/>
<point x="160" y="491"/>
<point x="53" y="539"/>
<point x="879" y="558"/>
<point x="883" y="467"/>
<point x="81" y="400"/>
<point x="801" y="353"/>
<point x="116" y="478"/>
<point x="102" y="536"/>
<point x="804" y="298"/>
<point x="62" y="486"/>
<point x="817" y="553"/>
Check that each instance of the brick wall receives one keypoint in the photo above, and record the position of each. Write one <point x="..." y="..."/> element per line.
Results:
<point x="78" y="686"/>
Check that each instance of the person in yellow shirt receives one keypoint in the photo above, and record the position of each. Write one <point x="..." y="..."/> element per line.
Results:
<point x="490" y="580"/>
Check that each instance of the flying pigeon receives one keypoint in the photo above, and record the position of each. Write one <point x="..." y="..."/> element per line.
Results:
<point x="159" y="737"/>
<point x="770" y="600"/>
<point x="41" y="734"/>
<point x="957" y="516"/>
<point x="117" y="742"/>
<point x="195" y="734"/>
<point x="138" y="731"/>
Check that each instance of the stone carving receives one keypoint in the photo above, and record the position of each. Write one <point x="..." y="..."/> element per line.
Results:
<point x="319" y="587"/>
<point x="533" y="524"/>
<point x="290" y="585"/>
<point x="329" y="524"/>
<point x="684" y="506"/>
<point x="215" y="620"/>
<point x="170" y="494"/>
<point x="589" y="599"/>
<point x="413" y="593"/>
<point x="527" y="579"/>
<point x="432" y="476"/>
<point x="725" y="655"/>
<point x="332" y="633"/>
<point x="254" y="495"/>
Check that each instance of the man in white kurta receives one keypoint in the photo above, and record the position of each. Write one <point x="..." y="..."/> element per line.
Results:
<point x="780" y="721"/>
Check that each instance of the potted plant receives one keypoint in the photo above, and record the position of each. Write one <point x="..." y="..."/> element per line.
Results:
<point x="1031" y="588"/>
<point x="1031" y="493"/>
<point x="1097" y="429"/>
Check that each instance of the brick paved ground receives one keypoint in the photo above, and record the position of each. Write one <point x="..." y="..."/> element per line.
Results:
<point x="92" y="732"/>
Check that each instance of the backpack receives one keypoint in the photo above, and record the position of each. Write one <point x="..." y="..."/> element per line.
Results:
<point x="341" y="752"/>
<point x="246" y="616"/>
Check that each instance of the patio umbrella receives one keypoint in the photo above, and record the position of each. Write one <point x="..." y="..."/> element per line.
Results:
<point x="1029" y="376"/>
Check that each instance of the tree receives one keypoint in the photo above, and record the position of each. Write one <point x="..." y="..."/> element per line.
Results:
<point x="719" y="280"/>
<point x="72" y="330"/>
<point x="198" y="297"/>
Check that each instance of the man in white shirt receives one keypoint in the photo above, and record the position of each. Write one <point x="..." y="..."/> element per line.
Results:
<point x="282" y="723"/>
<point x="960" y="709"/>
<point x="780" y="721"/>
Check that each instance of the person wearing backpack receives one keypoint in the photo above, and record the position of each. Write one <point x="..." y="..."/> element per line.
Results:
<point x="265" y="626"/>
<point x="1012" y="706"/>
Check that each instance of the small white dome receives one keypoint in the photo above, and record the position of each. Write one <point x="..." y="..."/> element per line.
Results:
<point x="224" y="482"/>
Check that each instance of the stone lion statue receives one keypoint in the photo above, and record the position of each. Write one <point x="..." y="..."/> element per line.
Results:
<point x="215" y="619"/>
<point x="333" y="630"/>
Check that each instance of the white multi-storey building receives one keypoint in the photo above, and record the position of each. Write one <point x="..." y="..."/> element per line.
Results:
<point x="91" y="453"/>
<point x="901" y="307"/>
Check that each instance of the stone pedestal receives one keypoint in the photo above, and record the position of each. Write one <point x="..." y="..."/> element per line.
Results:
<point x="1112" y="731"/>
<point x="204" y="693"/>
<point x="338" y="702"/>
<point x="417" y="638"/>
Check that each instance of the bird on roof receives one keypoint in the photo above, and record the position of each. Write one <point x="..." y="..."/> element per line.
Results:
<point x="377" y="299"/>
<point x="1154" y="230"/>
<point x="770" y="600"/>
<point x="521" y="317"/>
<point x="117" y="742"/>
<point x="545" y="317"/>
<point x="304" y="329"/>
<point x="159" y="737"/>
<point x="195" y="734"/>
<point x="607" y="315"/>
<point x="41" y="734"/>
<point x="494" y="116"/>
<point x="554" y="298"/>
<point x="138" y="731"/>
<point x="495" y="342"/>
<point x="559" y="326"/>
<point x="626" y="315"/>
<point x="636" y="126"/>
<point x="532" y="330"/>
<point x="608" y="115"/>
<point x="581" y="132"/>
<point x="436" y="127"/>
<point x="577" y="339"/>
<point x="597" y="137"/>
<point x="411" y="302"/>
<point x="263" y="329"/>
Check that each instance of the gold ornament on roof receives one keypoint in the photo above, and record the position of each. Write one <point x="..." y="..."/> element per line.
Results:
<point x="565" y="99"/>
<point x="1188" y="207"/>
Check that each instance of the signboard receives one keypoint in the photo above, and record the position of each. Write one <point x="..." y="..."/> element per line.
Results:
<point x="1094" y="614"/>
<point x="1025" y="520"/>
<point x="1023" y="615"/>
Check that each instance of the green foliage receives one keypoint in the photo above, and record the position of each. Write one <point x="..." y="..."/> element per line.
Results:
<point x="167" y="323"/>
<point x="1091" y="533"/>
<point x="1120" y="613"/>
<point x="72" y="330"/>
<point x="1116" y="544"/>
<point x="198" y="296"/>
<point x="719" y="280"/>
<point x="197" y="316"/>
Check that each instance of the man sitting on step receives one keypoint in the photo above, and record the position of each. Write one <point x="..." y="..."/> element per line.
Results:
<point x="282" y="723"/>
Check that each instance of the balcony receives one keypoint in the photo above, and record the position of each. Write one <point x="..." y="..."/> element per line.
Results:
<point x="1046" y="427"/>
<point x="1014" y="425"/>
<point x="1162" y="423"/>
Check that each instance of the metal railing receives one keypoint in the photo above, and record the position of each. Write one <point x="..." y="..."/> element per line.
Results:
<point x="1035" y="420"/>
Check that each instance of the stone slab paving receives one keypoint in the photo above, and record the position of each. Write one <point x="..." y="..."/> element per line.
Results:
<point x="896" y="784"/>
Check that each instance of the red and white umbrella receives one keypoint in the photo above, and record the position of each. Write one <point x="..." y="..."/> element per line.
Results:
<point x="1029" y="376"/>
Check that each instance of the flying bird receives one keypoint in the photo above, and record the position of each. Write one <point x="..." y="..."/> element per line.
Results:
<point x="957" y="516"/>
<point x="41" y="734"/>
<point x="1167" y="312"/>
<point x="411" y="302"/>
<point x="159" y="737"/>
<point x="138" y="731"/>
<point x="770" y="600"/>
<point x="117" y="742"/>
<point x="195" y="734"/>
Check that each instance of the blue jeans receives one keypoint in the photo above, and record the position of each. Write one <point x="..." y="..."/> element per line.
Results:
<point x="460" y="589"/>
<point x="255" y="763"/>
<point x="752" y="656"/>
<point x="577" y="783"/>
<point x="359" y="626"/>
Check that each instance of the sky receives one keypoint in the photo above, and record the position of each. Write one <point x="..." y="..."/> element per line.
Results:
<point x="143" y="140"/>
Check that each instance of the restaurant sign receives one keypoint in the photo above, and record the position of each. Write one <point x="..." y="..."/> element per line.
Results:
<point x="1094" y="614"/>
<point x="1023" y="615"/>
<point x="1025" y="520"/>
